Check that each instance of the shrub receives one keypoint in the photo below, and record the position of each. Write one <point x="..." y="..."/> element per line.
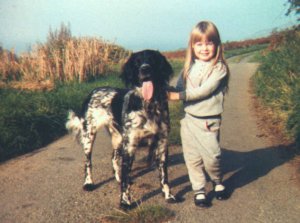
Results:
<point x="27" y="121"/>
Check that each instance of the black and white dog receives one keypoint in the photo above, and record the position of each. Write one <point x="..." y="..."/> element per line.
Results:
<point x="132" y="115"/>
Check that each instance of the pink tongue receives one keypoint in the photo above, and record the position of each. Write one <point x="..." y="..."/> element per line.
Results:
<point x="147" y="90"/>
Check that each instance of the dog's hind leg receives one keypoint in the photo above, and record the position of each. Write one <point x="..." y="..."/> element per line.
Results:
<point x="95" y="118"/>
<point x="88" y="139"/>
<point x="116" y="140"/>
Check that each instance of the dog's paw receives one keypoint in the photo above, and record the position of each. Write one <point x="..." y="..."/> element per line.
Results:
<point x="125" y="202"/>
<point x="88" y="187"/>
<point x="172" y="199"/>
<point x="125" y="206"/>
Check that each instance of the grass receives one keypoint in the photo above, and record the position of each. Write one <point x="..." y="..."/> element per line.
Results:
<point x="176" y="108"/>
<point x="245" y="50"/>
<point x="29" y="120"/>
<point x="176" y="114"/>
<point x="252" y="57"/>
<point x="277" y="82"/>
<point x="142" y="214"/>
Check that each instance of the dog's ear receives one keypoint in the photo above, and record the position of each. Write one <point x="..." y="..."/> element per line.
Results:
<point x="127" y="72"/>
<point x="165" y="68"/>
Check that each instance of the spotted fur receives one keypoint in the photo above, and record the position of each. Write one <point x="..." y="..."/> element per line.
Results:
<point x="130" y="120"/>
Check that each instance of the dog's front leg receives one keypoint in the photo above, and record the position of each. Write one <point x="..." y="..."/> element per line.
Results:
<point x="162" y="163"/>
<point x="116" y="157"/>
<point x="127" y="160"/>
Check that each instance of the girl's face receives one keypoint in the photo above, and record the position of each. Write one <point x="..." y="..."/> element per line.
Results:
<point x="204" y="50"/>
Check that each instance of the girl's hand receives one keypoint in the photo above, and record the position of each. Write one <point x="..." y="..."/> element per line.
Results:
<point x="173" y="96"/>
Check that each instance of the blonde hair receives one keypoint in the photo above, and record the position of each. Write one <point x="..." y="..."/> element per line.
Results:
<point x="207" y="31"/>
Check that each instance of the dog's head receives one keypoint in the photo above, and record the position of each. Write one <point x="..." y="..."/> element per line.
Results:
<point x="148" y="69"/>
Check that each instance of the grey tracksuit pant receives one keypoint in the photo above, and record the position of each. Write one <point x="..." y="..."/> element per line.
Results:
<point x="201" y="150"/>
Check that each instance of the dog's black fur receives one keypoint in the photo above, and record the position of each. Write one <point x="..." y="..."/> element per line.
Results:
<point x="130" y="118"/>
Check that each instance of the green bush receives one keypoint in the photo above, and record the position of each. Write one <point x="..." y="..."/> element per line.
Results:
<point x="29" y="120"/>
<point x="277" y="81"/>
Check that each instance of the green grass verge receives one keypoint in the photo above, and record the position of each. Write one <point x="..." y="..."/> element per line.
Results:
<point x="277" y="82"/>
<point x="29" y="120"/>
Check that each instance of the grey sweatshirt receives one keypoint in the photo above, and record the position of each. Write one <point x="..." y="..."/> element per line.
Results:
<point x="203" y="94"/>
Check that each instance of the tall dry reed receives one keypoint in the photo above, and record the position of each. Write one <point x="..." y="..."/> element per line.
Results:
<point x="62" y="58"/>
<point x="79" y="59"/>
<point x="9" y="66"/>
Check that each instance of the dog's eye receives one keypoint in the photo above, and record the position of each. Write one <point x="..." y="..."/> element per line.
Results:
<point x="137" y="63"/>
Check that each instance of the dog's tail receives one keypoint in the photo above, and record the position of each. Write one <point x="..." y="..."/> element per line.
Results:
<point x="74" y="124"/>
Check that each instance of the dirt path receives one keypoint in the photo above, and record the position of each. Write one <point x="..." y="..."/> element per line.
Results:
<point x="45" y="186"/>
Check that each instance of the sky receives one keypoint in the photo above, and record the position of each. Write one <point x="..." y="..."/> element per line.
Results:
<point x="163" y="25"/>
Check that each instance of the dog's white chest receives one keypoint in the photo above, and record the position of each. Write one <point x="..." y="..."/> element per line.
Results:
<point x="139" y="121"/>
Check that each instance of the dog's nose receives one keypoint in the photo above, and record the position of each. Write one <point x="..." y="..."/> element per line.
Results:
<point x="145" y="68"/>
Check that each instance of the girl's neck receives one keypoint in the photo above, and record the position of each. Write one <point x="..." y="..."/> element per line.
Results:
<point x="202" y="61"/>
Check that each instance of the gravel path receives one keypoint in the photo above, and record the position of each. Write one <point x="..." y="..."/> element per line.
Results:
<point x="46" y="186"/>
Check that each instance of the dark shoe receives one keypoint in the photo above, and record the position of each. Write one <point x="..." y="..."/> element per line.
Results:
<point x="221" y="194"/>
<point x="201" y="200"/>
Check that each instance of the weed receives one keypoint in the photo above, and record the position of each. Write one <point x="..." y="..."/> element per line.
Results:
<point x="142" y="214"/>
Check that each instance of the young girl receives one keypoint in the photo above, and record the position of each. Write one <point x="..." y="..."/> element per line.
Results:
<point x="202" y="86"/>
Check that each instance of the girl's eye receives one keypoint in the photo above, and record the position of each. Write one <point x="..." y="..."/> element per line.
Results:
<point x="199" y="44"/>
